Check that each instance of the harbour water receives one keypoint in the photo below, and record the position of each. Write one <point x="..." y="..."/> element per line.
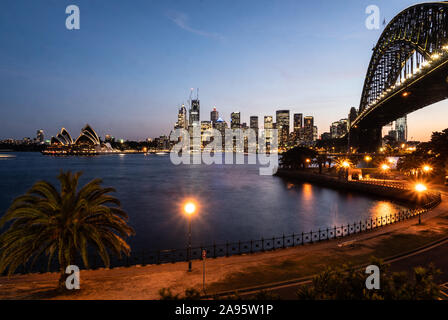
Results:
<point x="235" y="202"/>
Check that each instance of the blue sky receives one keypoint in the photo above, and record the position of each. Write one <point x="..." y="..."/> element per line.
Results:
<point x="133" y="62"/>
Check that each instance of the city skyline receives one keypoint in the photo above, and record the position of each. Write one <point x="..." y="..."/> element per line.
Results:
<point x="130" y="76"/>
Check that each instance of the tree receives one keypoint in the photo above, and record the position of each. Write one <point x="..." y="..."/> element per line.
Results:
<point x="434" y="152"/>
<point x="321" y="160"/>
<point x="348" y="283"/>
<point x="47" y="221"/>
<point x="297" y="157"/>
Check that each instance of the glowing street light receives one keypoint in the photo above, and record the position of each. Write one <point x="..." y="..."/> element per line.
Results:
<point x="189" y="209"/>
<point x="368" y="158"/>
<point x="384" y="168"/>
<point x="420" y="187"/>
<point x="346" y="164"/>
<point x="427" y="168"/>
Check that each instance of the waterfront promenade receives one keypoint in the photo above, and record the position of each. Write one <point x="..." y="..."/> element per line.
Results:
<point x="242" y="271"/>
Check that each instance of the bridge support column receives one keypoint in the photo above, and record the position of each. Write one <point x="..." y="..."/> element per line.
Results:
<point x="370" y="139"/>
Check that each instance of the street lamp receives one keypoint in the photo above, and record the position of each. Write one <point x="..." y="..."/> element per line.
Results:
<point x="189" y="209"/>
<point x="420" y="188"/>
<point x="427" y="168"/>
<point x="384" y="168"/>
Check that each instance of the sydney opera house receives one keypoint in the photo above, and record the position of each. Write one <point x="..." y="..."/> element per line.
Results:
<point x="88" y="142"/>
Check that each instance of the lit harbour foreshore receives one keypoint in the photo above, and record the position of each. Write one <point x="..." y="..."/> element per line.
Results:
<point x="271" y="213"/>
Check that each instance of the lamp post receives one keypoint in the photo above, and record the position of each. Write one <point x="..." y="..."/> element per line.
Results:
<point x="384" y="167"/>
<point x="427" y="169"/>
<point x="420" y="188"/>
<point x="189" y="210"/>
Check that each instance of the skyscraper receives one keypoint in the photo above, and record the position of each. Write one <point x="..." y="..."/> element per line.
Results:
<point x="194" y="112"/>
<point x="253" y="122"/>
<point x="298" y="117"/>
<point x="268" y="125"/>
<point x="308" y="129"/>
<point x="40" y="136"/>
<point x="214" y="115"/>
<point x="352" y="115"/>
<point x="235" y="120"/>
<point x="282" y="120"/>
<point x="182" y="122"/>
<point x="401" y="127"/>
<point x="339" y="128"/>
<point x="268" y="122"/>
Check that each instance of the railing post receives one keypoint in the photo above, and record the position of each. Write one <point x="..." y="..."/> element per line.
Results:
<point x="293" y="240"/>
<point x="273" y="243"/>
<point x="302" y="238"/>
<point x="239" y="246"/>
<point x="334" y="234"/>
<point x="158" y="256"/>
<point x="319" y="235"/>
<point x="284" y="241"/>
<point x="251" y="250"/>
<point x="311" y="236"/>
<point x="227" y="248"/>
<point x="214" y="250"/>
<point x="262" y="244"/>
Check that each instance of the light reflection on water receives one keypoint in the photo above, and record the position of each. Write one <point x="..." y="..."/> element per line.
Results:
<point x="382" y="209"/>
<point x="235" y="202"/>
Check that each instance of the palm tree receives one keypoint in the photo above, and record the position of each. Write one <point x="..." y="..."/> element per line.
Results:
<point x="64" y="223"/>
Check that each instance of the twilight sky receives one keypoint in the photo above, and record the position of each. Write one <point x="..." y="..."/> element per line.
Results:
<point x="133" y="62"/>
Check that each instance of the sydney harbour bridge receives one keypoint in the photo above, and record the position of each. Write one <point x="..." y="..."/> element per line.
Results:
<point x="408" y="71"/>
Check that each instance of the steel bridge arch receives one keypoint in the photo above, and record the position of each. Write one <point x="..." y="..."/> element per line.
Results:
<point x="421" y="28"/>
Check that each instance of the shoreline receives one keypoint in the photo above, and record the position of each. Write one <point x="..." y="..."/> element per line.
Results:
<point x="384" y="191"/>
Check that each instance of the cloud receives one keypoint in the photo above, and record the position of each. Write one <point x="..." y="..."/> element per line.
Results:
<point x="181" y="20"/>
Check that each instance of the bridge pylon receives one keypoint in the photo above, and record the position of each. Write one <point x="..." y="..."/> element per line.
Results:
<point x="367" y="140"/>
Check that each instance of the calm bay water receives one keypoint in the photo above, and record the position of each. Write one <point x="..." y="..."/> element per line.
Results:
<point x="236" y="203"/>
